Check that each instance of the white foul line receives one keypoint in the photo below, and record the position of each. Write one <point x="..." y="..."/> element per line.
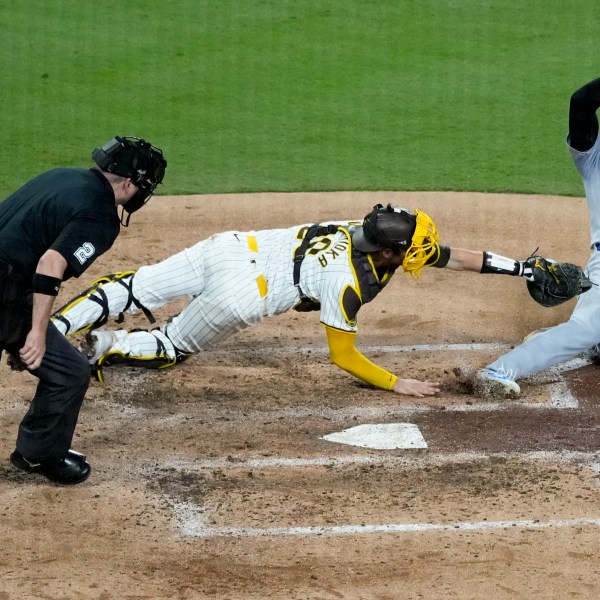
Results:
<point x="191" y="517"/>
<point x="413" y="348"/>
<point x="403" y="460"/>
<point x="191" y="528"/>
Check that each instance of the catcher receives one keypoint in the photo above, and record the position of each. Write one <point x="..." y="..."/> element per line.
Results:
<point x="581" y="332"/>
<point x="235" y="279"/>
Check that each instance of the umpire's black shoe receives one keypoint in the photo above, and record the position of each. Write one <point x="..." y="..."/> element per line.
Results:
<point x="68" y="470"/>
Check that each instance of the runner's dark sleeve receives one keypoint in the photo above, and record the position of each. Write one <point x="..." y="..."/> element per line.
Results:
<point x="583" y="122"/>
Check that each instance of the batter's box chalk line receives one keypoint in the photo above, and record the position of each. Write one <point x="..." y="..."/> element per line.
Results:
<point x="190" y="527"/>
<point x="563" y="457"/>
<point x="194" y="520"/>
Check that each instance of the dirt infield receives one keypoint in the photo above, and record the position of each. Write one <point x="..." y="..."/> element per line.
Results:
<point x="213" y="479"/>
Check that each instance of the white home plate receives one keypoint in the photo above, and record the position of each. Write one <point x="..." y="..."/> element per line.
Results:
<point x="385" y="436"/>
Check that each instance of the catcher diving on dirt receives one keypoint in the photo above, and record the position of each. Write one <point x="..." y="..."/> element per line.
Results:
<point x="235" y="279"/>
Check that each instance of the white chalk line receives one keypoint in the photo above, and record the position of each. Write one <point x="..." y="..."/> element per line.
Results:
<point x="405" y="460"/>
<point x="574" y="363"/>
<point x="196" y="528"/>
<point x="191" y="518"/>
<point x="559" y="394"/>
<point x="558" y="397"/>
<point x="473" y="347"/>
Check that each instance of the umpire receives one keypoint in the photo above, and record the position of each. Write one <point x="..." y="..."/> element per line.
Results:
<point x="52" y="229"/>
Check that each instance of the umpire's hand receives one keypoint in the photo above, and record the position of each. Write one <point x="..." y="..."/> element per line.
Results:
<point x="34" y="349"/>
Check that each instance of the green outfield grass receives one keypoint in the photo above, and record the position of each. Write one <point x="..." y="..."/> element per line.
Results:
<point x="263" y="95"/>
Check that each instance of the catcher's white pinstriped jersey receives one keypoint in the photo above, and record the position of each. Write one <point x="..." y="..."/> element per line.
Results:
<point x="235" y="279"/>
<point x="242" y="277"/>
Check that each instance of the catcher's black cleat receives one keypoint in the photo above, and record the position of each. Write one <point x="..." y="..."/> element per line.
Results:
<point x="69" y="470"/>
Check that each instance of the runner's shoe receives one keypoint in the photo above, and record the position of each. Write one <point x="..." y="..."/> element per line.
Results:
<point x="499" y="383"/>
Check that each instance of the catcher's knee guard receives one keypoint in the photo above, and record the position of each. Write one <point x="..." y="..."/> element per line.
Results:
<point x="96" y="294"/>
<point x="155" y="351"/>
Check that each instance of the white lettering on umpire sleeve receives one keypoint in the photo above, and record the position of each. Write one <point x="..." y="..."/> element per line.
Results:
<point x="84" y="252"/>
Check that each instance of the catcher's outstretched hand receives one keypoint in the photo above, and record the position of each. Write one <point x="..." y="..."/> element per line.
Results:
<point x="414" y="387"/>
<point x="551" y="283"/>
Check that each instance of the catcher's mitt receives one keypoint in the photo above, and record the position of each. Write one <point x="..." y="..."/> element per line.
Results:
<point x="552" y="283"/>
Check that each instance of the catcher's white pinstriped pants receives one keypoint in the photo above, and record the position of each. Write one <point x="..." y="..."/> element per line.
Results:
<point x="223" y="277"/>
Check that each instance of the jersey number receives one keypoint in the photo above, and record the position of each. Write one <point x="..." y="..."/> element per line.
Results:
<point x="318" y="245"/>
<point x="84" y="252"/>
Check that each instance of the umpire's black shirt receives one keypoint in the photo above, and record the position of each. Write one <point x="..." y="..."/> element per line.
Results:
<point x="68" y="210"/>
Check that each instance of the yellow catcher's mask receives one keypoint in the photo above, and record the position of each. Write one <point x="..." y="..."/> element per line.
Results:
<point x="424" y="244"/>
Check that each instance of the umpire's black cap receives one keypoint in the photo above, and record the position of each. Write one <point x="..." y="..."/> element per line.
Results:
<point x="132" y="157"/>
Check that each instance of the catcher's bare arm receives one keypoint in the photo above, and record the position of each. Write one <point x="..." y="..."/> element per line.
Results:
<point x="549" y="283"/>
<point x="484" y="262"/>
<point x="479" y="261"/>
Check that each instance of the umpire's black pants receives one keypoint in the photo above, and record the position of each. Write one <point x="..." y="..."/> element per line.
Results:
<point x="47" y="429"/>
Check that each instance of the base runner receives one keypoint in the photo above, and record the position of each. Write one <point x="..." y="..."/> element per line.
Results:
<point x="581" y="332"/>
